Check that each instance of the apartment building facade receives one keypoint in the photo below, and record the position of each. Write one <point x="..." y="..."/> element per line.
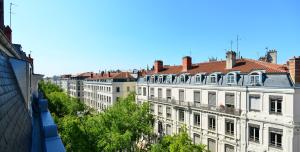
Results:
<point x="64" y="83"/>
<point x="76" y="84"/>
<point x="104" y="89"/>
<point x="236" y="105"/>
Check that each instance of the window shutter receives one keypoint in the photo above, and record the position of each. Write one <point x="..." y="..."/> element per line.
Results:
<point x="181" y="95"/>
<point x="196" y="96"/>
<point x="229" y="98"/>
<point x="255" y="102"/>
<point x="212" y="98"/>
<point x="169" y="93"/>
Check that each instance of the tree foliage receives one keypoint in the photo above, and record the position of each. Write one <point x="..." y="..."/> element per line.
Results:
<point x="177" y="143"/>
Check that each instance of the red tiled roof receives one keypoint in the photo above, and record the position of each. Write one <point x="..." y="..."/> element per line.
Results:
<point x="120" y="75"/>
<point x="242" y="65"/>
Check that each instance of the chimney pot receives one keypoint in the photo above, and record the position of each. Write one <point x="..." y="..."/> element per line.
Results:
<point x="158" y="66"/>
<point x="186" y="63"/>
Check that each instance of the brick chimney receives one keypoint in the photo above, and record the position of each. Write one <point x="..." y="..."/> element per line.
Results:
<point x="92" y="74"/>
<point x="294" y="69"/>
<point x="108" y="73"/>
<point x="7" y="32"/>
<point x="186" y="63"/>
<point x="230" y="59"/>
<point x="158" y="66"/>
<point x="1" y="15"/>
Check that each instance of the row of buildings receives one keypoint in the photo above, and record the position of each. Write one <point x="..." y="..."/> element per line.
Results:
<point x="233" y="105"/>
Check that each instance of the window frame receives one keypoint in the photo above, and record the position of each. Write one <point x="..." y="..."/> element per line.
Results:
<point x="212" y="124"/>
<point x="254" y="138"/>
<point x="197" y="119"/>
<point x="277" y="100"/>
<point x="231" y="130"/>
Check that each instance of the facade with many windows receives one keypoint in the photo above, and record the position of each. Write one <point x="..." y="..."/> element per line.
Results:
<point x="76" y="84"/>
<point x="230" y="106"/>
<point x="104" y="89"/>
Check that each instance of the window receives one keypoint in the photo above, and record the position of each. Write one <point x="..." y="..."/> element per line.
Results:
<point x="144" y="91"/>
<point x="152" y="79"/>
<point x="160" y="110"/>
<point x="230" y="78"/>
<point x="181" y="115"/>
<point x="213" y="79"/>
<point x="254" y="104"/>
<point x="197" y="97"/>
<point x="254" y="133"/>
<point x="159" y="93"/>
<point x="229" y="127"/>
<point x="275" y="136"/>
<point x="168" y="112"/>
<point x="152" y="92"/>
<point x="211" y="122"/>
<point x="198" y="78"/>
<point x="212" y="99"/>
<point x="181" y="95"/>
<point x="182" y="78"/>
<point x="128" y="89"/>
<point x="168" y="129"/>
<point x="169" y="94"/>
<point x="229" y="148"/>
<point x="170" y="78"/>
<point x="275" y="104"/>
<point x="254" y="78"/>
<point x="118" y="89"/>
<point x="152" y="108"/>
<point x="197" y="139"/>
<point x="229" y="100"/>
<point x="196" y="119"/>
<point x="211" y="146"/>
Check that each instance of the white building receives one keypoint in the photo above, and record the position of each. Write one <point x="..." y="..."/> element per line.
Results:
<point x="236" y="105"/>
<point x="65" y="83"/>
<point x="104" y="89"/>
<point x="76" y="84"/>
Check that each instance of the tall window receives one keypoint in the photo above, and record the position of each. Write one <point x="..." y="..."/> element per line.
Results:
<point x="118" y="89"/>
<point x="181" y="95"/>
<point x="182" y="78"/>
<point x="197" y="139"/>
<point x="229" y="100"/>
<point x="212" y="99"/>
<point x="275" y="104"/>
<point x="128" y="89"/>
<point x="152" y="92"/>
<point x="159" y="93"/>
<point x="254" y="103"/>
<point x="196" y="119"/>
<point x="151" y="108"/>
<point x="254" y="78"/>
<point x="229" y="127"/>
<point x="211" y="122"/>
<point x="181" y="115"/>
<point x="161" y="79"/>
<point x="213" y="79"/>
<point x="169" y="94"/>
<point x="168" y="129"/>
<point x="275" y="136"/>
<point x="230" y="78"/>
<point x="229" y="148"/>
<point x="144" y="91"/>
<point x="254" y="133"/>
<point x="211" y="146"/>
<point x="160" y="110"/>
<point x="198" y="78"/>
<point x="168" y="112"/>
<point x="197" y="97"/>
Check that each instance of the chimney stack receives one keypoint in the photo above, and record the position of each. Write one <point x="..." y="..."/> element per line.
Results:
<point x="294" y="69"/>
<point x="108" y="73"/>
<point x="158" y="66"/>
<point x="102" y="73"/>
<point x="186" y="63"/>
<point x="92" y="75"/>
<point x="272" y="56"/>
<point x="230" y="59"/>
<point x="7" y="32"/>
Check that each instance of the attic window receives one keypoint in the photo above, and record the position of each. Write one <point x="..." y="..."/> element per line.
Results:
<point x="170" y="78"/>
<point x="161" y="79"/>
<point x="198" y="78"/>
<point x="213" y="78"/>
<point x="152" y="79"/>
<point x="182" y="78"/>
<point x="255" y="78"/>
<point x="231" y="78"/>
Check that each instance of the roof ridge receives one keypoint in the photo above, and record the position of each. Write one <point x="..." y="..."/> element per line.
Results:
<point x="268" y="65"/>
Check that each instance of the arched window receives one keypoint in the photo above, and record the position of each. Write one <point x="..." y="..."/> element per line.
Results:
<point x="213" y="78"/>
<point x="231" y="77"/>
<point x="170" y="78"/>
<point x="255" y="78"/>
<point x="198" y="78"/>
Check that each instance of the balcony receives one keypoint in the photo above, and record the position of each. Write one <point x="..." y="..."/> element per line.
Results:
<point x="220" y="109"/>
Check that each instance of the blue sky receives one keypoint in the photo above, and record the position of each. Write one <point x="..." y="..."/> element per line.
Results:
<point x="72" y="36"/>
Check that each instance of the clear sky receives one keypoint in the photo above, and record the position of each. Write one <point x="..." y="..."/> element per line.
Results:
<point x="71" y="36"/>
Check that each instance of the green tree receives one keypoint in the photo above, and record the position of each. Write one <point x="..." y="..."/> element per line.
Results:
<point x="178" y="143"/>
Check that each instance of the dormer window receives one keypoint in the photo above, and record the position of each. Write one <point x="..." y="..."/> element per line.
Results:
<point x="146" y="78"/>
<point x="213" y="79"/>
<point x="255" y="78"/>
<point x="152" y="79"/>
<point x="170" y="78"/>
<point x="231" y="78"/>
<point x="161" y="79"/>
<point x="182" y="78"/>
<point x="198" y="78"/>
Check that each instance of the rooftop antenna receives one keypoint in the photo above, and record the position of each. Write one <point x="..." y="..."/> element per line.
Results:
<point x="237" y="46"/>
<point x="10" y="13"/>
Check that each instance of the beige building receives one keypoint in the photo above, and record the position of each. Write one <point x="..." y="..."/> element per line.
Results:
<point x="236" y="105"/>
<point x="104" y="89"/>
<point x="76" y="84"/>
